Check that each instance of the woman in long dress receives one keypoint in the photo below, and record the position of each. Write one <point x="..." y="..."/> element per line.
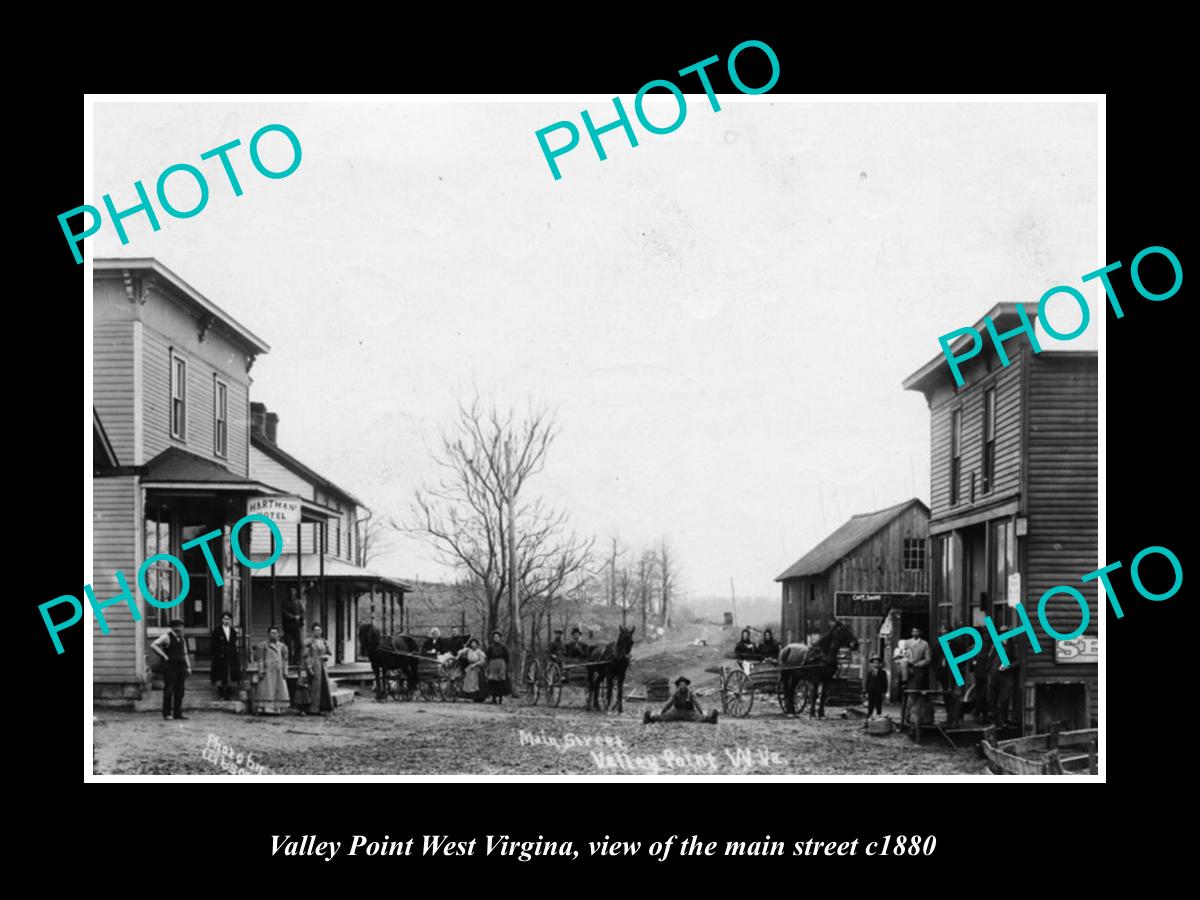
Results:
<point x="474" y="660"/>
<point x="272" y="695"/>
<point x="316" y="655"/>
<point x="497" y="669"/>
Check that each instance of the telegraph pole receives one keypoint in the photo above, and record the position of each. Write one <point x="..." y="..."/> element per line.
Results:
<point x="733" y="597"/>
<point x="515" y="637"/>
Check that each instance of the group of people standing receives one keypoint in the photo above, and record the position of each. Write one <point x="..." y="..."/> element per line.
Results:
<point x="271" y="696"/>
<point x="484" y="671"/>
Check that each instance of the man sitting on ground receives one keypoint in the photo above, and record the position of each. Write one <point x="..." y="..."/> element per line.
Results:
<point x="682" y="707"/>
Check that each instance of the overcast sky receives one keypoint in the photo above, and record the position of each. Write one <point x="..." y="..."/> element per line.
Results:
<point x="721" y="316"/>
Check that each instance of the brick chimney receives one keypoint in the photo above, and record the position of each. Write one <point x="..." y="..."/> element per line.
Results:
<point x="258" y="419"/>
<point x="272" y="426"/>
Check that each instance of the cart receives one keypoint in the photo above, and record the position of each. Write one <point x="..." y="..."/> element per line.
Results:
<point x="739" y="688"/>
<point x="434" y="680"/>
<point x="546" y="678"/>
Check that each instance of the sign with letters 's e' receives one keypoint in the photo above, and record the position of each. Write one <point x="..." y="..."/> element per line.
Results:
<point x="282" y="510"/>
<point x="1079" y="650"/>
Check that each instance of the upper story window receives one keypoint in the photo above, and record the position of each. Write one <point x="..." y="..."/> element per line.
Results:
<point x="955" y="454"/>
<point x="989" y="439"/>
<point x="220" y="417"/>
<point x="914" y="553"/>
<point x="178" y="397"/>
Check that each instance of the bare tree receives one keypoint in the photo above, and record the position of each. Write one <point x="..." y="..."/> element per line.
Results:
<point x="668" y="575"/>
<point x="463" y="513"/>
<point x="374" y="539"/>
<point x="647" y="571"/>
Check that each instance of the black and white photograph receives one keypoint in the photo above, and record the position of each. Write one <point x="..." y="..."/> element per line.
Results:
<point x="488" y="436"/>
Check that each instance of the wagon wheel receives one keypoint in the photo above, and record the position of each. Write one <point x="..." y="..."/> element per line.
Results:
<point x="554" y="684"/>
<point x="804" y="694"/>
<point x="394" y="684"/>
<point x="533" y="682"/>
<point x="781" y="696"/>
<point x="738" y="694"/>
<point x="430" y="690"/>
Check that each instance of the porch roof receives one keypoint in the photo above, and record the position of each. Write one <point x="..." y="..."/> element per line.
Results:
<point x="335" y="569"/>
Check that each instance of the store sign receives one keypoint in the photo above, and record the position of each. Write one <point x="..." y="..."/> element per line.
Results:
<point x="847" y="603"/>
<point x="1079" y="650"/>
<point x="283" y="510"/>
<point x="1014" y="589"/>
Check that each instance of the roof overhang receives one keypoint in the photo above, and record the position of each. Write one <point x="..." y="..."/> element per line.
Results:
<point x="183" y="293"/>
<point x="938" y="368"/>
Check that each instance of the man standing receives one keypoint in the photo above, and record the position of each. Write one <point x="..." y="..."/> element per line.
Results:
<point x="293" y="624"/>
<point x="172" y="647"/>
<point x="682" y="707"/>
<point x="226" y="669"/>
<point x="919" y="658"/>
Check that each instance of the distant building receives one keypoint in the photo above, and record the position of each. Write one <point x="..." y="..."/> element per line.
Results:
<point x="872" y="574"/>
<point x="1014" y="496"/>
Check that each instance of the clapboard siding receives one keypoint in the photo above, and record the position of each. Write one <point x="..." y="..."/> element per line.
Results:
<point x="970" y="399"/>
<point x="205" y="359"/>
<point x="112" y="384"/>
<point x="115" y="548"/>
<point x="1062" y="544"/>
<point x="270" y="472"/>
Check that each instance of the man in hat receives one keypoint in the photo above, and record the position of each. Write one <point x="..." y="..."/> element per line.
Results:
<point x="177" y="666"/>
<point x="576" y="649"/>
<point x="682" y="707"/>
<point x="557" y="646"/>
<point x="876" y="686"/>
<point x="919" y="658"/>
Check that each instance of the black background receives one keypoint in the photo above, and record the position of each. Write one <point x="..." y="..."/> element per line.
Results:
<point x="985" y="832"/>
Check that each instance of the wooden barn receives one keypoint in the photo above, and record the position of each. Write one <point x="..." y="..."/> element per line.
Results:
<point x="871" y="574"/>
<point x="1014" y="508"/>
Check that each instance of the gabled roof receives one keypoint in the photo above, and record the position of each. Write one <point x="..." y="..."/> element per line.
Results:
<point x="846" y="539"/>
<point x="286" y="459"/>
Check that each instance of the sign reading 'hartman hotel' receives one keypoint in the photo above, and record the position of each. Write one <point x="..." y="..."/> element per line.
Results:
<point x="284" y="510"/>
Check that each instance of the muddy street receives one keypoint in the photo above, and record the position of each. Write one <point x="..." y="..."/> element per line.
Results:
<point x="399" y="738"/>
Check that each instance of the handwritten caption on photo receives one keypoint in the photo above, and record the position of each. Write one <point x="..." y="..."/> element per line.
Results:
<point x="609" y="753"/>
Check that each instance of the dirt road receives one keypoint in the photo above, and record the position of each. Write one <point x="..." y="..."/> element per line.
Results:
<point x="394" y="738"/>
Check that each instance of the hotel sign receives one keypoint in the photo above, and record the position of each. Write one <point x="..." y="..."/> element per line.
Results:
<point x="281" y="510"/>
<point x="847" y="603"/>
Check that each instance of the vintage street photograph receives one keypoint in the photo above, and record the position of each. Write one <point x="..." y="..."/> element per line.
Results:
<point x="420" y="461"/>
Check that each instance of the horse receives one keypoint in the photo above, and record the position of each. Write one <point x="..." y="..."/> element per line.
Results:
<point x="819" y="662"/>
<point x="375" y="644"/>
<point x="609" y="663"/>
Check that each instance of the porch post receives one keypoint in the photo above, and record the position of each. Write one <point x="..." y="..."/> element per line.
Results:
<point x="321" y="579"/>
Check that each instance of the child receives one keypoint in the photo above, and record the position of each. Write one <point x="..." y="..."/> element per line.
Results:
<point x="682" y="707"/>
<point x="876" y="685"/>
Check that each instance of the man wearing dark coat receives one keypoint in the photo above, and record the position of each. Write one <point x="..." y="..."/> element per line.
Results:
<point x="576" y="649"/>
<point x="226" y="669"/>
<point x="682" y="707"/>
<point x="557" y="646"/>
<point x="876" y="686"/>
<point x="293" y="624"/>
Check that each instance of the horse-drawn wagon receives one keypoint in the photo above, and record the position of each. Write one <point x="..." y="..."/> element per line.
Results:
<point x="738" y="688"/>
<point x="403" y="672"/>
<point x="546" y="677"/>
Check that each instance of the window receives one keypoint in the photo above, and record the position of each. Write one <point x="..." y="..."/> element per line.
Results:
<point x="989" y="439"/>
<point x="162" y="578"/>
<point x="955" y="454"/>
<point x="914" y="553"/>
<point x="178" y="397"/>
<point x="1003" y="550"/>
<point x="220" y="417"/>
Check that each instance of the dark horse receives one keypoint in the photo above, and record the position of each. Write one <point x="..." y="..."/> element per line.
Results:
<point x="609" y="663"/>
<point x="377" y="645"/>
<point x="819" y="662"/>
